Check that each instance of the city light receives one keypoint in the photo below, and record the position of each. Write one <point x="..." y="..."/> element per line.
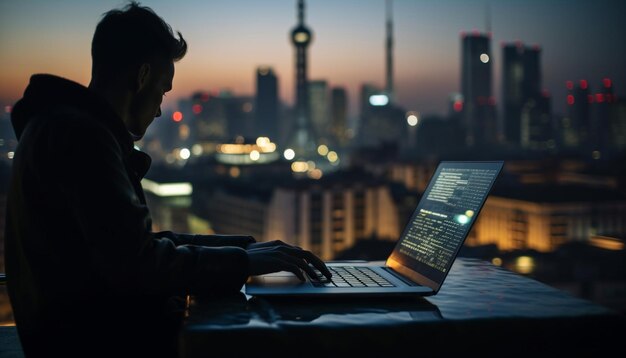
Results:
<point x="183" y="132"/>
<point x="322" y="150"/>
<point x="412" y="119"/>
<point x="169" y="189"/>
<point x="177" y="116"/>
<point x="299" y="167"/>
<point x="262" y="141"/>
<point x="458" y="106"/>
<point x="289" y="154"/>
<point x="332" y="156"/>
<point x="607" y="243"/>
<point x="229" y="148"/>
<point x="255" y="155"/>
<point x="196" y="149"/>
<point x="315" y="174"/>
<point x="484" y="58"/>
<point x="524" y="265"/>
<point x="234" y="172"/>
<point x="301" y="37"/>
<point x="184" y="153"/>
<point x="379" y="100"/>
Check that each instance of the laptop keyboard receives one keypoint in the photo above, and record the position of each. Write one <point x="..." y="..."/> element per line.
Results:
<point x="350" y="276"/>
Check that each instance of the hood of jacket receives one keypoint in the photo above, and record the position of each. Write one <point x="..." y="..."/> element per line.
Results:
<point x="47" y="93"/>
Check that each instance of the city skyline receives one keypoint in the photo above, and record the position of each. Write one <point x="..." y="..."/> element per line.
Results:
<point x="579" y="40"/>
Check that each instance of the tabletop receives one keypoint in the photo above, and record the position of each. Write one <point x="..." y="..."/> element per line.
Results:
<point x="481" y="308"/>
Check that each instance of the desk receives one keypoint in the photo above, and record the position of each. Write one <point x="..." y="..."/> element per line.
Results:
<point x="481" y="308"/>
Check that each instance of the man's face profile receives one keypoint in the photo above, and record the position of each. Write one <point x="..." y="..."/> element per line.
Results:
<point x="153" y="81"/>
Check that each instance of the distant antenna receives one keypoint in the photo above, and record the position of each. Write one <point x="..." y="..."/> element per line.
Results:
<point x="300" y="12"/>
<point x="389" y="52"/>
<point x="487" y="17"/>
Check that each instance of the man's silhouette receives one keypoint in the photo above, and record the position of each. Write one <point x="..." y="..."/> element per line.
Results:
<point x="86" y="275"/>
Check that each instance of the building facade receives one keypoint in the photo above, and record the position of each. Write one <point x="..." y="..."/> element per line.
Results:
<point x="479" y="114"/>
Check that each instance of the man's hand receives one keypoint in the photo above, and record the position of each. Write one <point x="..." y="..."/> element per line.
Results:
<point x="274" y="256"/>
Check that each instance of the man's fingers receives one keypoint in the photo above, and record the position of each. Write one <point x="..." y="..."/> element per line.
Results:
<point x="310" y="257"/>
<point x="299" y="263"/>
<point x="314" y="260"/>
<point x="295" y="270"/>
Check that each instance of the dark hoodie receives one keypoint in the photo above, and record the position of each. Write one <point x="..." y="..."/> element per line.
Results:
<point x="82" y="262"/>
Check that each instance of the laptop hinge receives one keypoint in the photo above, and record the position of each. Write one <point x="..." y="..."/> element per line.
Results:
<point x="400" y="277"/>
<point x="412" y="275"/>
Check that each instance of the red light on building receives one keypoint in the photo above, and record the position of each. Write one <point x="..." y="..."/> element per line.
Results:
<point x="589" y="98"/>
<point x="545" y="93"/>
<point x="458" y="106"/>
<point x="196" y="108"/>
<point x="8" y="109"/>
<point x="569" y="85"/>
<point x="599" y="97"/>
<point x="570" y="99"/>
<point x="204" y="97"/>
<point x="583" y="84"/>
<point x="492" y="101"/>
<point x="607" y="83"/>
<point x="177" y="116"/>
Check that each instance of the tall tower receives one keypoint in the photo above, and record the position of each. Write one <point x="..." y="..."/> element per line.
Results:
<point x="267" y="103"/>
<point x="521" y="83"/>
<point x="389" y="53"/>
<point x="479" y="107"/>
<point x="302" y="141"/>
<point x="339" y="115"/>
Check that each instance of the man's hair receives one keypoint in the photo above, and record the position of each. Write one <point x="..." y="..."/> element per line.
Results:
<point x="126" y="38"/>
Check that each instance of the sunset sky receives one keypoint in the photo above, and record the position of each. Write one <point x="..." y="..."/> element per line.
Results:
<point x="228" y="39"/>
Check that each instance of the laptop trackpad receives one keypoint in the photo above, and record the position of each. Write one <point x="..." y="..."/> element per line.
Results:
<point x="282" y="278"/>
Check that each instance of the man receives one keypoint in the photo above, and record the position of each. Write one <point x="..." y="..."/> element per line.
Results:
<point x="86" y="275"/>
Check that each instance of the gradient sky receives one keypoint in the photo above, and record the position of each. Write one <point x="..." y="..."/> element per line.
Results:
<point x="228" y="39"/>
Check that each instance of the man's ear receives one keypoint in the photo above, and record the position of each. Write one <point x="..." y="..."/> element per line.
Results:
<point x="142" y="76"/>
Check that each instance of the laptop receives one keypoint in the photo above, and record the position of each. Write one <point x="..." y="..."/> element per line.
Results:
<point x="425" y="251"/>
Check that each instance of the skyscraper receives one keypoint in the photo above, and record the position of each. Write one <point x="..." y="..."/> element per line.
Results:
<point x="339" y="115"/>
<point x="266" y="103"/>
<point x="479" y="106"/>
<point x="389" y="54"/>
<point x="318" y="102"/>
<point x="302" y="140"/>
<point x="521" y="83"/>
<point x="579" y="111"/>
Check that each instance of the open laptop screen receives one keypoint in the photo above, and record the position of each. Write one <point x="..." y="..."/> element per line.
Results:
<point x="444" y="216"/>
